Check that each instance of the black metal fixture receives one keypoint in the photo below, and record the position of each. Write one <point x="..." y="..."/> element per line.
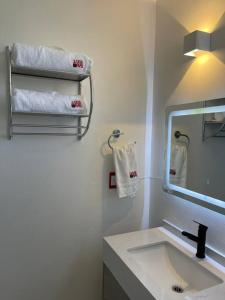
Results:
<point x="200" y="239"/>
<point x="178" y="134"/>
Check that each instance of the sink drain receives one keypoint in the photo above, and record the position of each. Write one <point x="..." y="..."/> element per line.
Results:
<point x="178" y="289"/>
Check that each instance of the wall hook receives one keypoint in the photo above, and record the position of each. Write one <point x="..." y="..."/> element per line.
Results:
<point x="116" y="134"/>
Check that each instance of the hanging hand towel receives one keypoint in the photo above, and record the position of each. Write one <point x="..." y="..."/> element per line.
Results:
<point x="126" y="170"/>
<point x="178" y="165"/>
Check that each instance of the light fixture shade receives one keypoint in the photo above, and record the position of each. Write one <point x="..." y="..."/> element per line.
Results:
<point x="196" y="41"/>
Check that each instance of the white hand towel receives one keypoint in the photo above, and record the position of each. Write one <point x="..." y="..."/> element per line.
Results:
<point x="50" y="59"/>
<point x="47" y="102"/>
<point x="126" y="170"/>
<point x="178" y="164"/>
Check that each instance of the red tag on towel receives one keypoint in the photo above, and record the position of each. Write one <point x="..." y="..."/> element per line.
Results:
<point x="172" y="172"/>
<point x="133" y="174"/>
<point x="78" y="63"/>
<point x="76" y="103"/>
<point x="112" y="181"/>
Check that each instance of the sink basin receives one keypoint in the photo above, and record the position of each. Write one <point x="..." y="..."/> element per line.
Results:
<point x="172" y="269"/>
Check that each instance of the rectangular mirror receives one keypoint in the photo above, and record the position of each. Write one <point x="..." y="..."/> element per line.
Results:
<point x="195" y="160"/>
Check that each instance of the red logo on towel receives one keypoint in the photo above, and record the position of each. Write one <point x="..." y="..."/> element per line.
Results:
<point x="172" y="172"/>
<point x="76" y="103"/>
<point x="133" y="174"/>
<point x="78" y="63"/>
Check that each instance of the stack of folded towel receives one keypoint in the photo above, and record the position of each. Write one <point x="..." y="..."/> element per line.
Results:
<point x="47" y="102"/>
<point x="50" y="59"/>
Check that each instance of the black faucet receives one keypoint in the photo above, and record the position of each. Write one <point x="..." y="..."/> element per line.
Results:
<point x="200" y="239"/>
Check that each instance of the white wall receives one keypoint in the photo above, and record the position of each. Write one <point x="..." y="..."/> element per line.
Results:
<point x="178" y="80"/>
<point x="55" y="204"/>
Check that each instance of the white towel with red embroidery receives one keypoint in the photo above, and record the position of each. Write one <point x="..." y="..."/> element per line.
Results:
<point x="46" y="58"/>
<point x="126" y="170"/>
<point x="47" y="102"/>
<point x="178" y="164"/>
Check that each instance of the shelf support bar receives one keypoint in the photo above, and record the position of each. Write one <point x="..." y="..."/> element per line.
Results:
<point x="91" y="106"/>
<point x="9" y="67"/>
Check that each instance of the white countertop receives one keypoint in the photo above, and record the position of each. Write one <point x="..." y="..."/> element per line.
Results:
<point x="135" y="283"/>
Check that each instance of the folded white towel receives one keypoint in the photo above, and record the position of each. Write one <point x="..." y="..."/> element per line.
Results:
<point x="126" y="170"/>
<point x="48" y="102"/>
<point x="50" y="59"/>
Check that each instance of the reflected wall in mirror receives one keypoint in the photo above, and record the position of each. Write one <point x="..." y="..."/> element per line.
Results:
<point x="195" y="164"/>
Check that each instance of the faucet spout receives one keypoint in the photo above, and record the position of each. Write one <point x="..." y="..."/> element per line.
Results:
<point x="190" y="236"/>
<point x="200" y="239"/>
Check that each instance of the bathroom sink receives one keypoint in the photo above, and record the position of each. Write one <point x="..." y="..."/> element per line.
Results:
<point x="171" y="269"/>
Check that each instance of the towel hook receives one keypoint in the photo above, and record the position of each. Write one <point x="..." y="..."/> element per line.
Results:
<point x="116" y="134"/>
<point x="178" y="134"/>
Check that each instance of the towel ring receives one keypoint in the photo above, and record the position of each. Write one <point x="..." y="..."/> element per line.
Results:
<point x="116" y="134"/>
<point x="178" y="134"/>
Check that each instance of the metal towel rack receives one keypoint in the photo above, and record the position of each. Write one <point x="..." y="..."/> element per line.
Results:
<point x="115" y="134"/>
<point x="80" y="129"/>
<point x="178" y="134"/>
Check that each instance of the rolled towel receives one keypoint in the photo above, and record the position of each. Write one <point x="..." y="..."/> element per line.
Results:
<point x="46" y="58"/>
<point x="47" y="102"/>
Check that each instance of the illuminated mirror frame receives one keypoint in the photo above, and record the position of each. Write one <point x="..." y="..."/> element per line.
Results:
<point x="177" y="190"/>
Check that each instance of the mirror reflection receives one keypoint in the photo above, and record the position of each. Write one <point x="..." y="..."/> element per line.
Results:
<point x="196" y="155"/>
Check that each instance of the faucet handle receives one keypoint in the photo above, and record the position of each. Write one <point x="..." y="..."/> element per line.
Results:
<point x="202" y="225"/>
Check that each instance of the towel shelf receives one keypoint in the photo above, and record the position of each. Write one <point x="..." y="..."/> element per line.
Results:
<point x="46" y="133"/>
<point x="43" y="125"/>
<point x="215" y="131"/>
<point x="80" y="129"/>
<point x="212" y="128"/>
<point x="50" y="114"/>
<point x="48" y="73"/>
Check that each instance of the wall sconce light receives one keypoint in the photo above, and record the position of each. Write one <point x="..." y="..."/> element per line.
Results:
<point x="196" y="42"/>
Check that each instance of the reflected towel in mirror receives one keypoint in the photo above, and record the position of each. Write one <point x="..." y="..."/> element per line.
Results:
<point x="178" y="164"/>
